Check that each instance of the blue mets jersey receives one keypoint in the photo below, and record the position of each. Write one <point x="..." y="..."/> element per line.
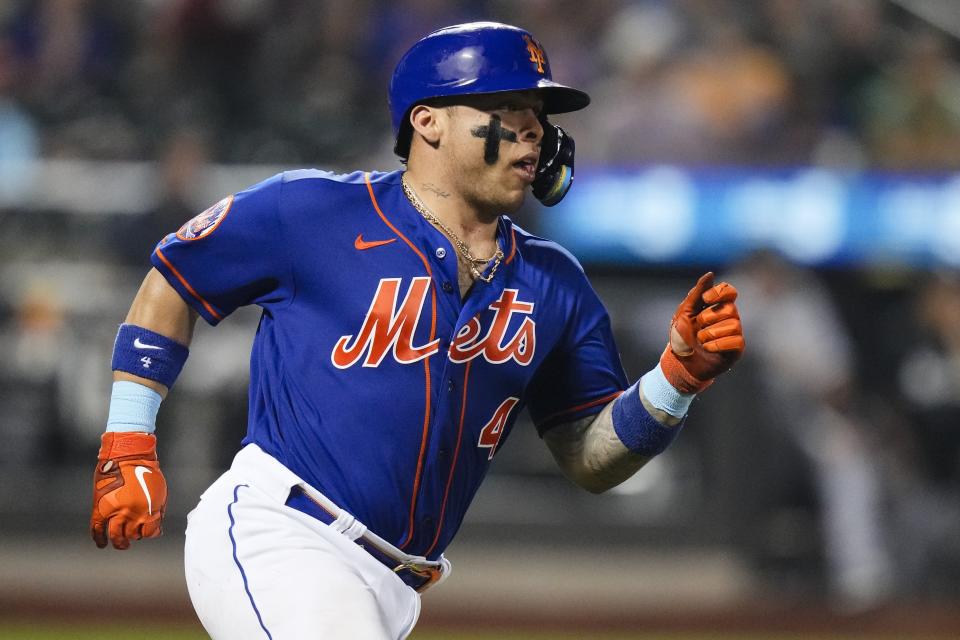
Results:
<point x="370" y="377"/>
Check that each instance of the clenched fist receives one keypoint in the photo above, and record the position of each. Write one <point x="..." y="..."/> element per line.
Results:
<point x="706" y="337"/>
<point x="129" y="492"/>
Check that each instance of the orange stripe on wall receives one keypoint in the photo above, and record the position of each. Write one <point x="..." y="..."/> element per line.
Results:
<point x="426" y="361"/>
<point x="186" y="285"/>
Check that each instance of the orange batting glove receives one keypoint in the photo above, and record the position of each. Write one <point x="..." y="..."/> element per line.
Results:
<point x="706" y="337"/>
<point x="129" y="492"/>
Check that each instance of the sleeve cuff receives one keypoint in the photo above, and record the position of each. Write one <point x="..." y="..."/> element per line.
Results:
<point x="576" y="412"/>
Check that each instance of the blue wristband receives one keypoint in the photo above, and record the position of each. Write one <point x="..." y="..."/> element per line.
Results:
<point x="148" y="354"/>
<point x="133" y="407"/>
<point x="637" y="429"/>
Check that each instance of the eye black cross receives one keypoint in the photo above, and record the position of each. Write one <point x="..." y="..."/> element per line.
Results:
<point x="494" y="133"/>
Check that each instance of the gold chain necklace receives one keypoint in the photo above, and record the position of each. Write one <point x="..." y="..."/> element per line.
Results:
<point x="473" y="263"/>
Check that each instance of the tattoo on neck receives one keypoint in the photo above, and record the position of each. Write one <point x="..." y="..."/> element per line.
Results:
<point x="494" y="133"/>
<point x="429" y="186"/>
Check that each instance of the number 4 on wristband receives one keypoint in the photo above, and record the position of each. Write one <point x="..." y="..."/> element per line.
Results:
<point x="146" y="362"/>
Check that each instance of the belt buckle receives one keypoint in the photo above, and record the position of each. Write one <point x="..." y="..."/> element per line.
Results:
<point x="430" y="574"/>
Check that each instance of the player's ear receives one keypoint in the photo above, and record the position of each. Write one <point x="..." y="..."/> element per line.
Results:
<point x="427" y="123"/>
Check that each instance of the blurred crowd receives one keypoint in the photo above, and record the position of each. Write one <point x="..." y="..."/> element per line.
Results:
<point x="835" y="82"/>
<point x="852" y="382"/>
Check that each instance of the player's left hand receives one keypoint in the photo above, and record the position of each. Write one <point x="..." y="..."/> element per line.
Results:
<point x="129" y="491"/>
<point x="706" y="336"/>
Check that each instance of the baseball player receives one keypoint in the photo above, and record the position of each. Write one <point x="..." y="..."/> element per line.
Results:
<point x="406" y="323"/>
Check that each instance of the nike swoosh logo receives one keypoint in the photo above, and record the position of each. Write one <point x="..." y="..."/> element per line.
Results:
<point x="360" y="244"/>
<point x="140" y="345"/>
<point x="139" y="471"/>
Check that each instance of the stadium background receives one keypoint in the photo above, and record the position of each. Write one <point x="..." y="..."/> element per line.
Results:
<point x="807" y="149"/>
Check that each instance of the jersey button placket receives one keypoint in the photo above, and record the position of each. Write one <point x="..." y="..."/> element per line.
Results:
<point x="447" y="286"/>
<point x="441" y="253"/>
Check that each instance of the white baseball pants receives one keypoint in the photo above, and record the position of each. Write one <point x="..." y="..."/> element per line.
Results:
<point x="257" y="569"/>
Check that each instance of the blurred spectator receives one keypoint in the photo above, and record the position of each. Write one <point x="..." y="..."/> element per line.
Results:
<point x="72" y="52"/>
<point x="33" y="343"/>
<point x="672" y="97"/>
<point x="637" y="114"/>
<point x="320" y="98"/>
<point x="739" y="90"/>
<point x="18" y="133"/>
<point x="912" y="108"/>
<point x="854" y="50"/>
<point x="180" y="172"/>
<point x="928" y="380"/>
<point x="806" y="366"/>
<point x="830" y="49"/>
<point x="206" y="50"/>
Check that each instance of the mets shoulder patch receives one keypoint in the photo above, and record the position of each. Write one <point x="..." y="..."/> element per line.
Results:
<point x="203" y="224"/>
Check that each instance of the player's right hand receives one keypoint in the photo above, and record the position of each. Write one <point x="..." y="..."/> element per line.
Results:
<point x="129" y="491"/>
<point x="706" y="336"/>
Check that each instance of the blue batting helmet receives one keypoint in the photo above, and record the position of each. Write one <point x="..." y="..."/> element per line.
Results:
<point x="474" y="58"/>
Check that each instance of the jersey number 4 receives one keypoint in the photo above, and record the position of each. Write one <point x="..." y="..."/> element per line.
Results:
<point x="492" y="431"/>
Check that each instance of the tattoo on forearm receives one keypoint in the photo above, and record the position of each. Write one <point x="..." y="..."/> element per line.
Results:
<point x="591" y="454"/>
<point x="429" y="186"/>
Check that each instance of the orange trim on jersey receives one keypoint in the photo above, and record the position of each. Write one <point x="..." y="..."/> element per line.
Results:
<point x="426" y="361"/>
<point x="186" y="285"/>
<point x="580" y="407"/>
<point x="456" y="456"/>
<point x="513" y="245"/>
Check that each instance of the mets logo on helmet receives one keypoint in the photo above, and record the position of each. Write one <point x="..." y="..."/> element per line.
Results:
<point x="390" y="328"/>
<point x="537" y="56"/>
